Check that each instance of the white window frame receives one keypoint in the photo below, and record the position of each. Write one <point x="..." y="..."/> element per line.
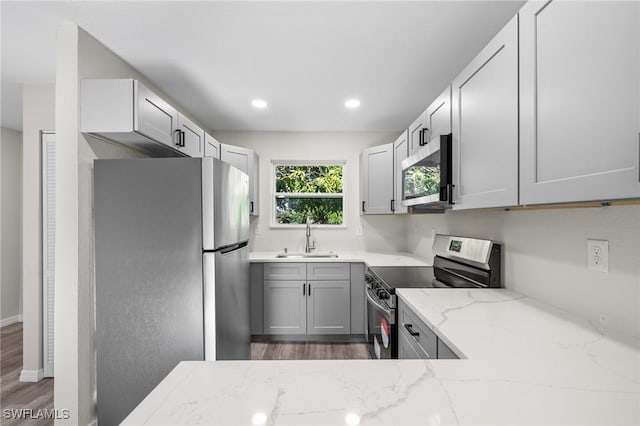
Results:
<point x="274" y="194"/>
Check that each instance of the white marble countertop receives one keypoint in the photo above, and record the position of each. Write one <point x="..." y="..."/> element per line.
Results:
<point x="370" y="258"/>
<point x="527" y="363"/>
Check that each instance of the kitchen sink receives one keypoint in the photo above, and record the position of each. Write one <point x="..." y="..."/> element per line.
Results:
<point x="319" y="254"/>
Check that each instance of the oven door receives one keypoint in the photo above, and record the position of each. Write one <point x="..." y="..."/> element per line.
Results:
<point x="381" y="328"/>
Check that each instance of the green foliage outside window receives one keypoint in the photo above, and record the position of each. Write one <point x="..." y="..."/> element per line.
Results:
<point x="303" y="191"/>
<point x="421" y="180"/>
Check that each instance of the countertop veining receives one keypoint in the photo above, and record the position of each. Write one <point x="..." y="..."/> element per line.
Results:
<point x="528" y="363"/>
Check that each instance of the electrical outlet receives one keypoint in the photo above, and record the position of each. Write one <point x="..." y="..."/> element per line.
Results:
<point x="598" y="255"/>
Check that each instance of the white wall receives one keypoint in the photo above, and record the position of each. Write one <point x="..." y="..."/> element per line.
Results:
<point x="79" y="56"/>
<point x="38" y="113"/>
<point x="380" y="233"/>
<point x="546" y="256"/>
<point x="10" y="225"/>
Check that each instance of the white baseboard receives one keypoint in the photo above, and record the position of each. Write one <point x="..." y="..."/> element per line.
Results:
<point x="31" y="375"/>
<point x="10" y="320"/>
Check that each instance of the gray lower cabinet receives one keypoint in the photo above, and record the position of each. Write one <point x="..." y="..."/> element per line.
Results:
<point x="328" y="307"/>
<point x="307" y="298"/>
<point x="285" y="307"/>
<point x="445" y="352"/>
<point x="408" y="349"/>
<point x="416" y="340"/>
<point x="358" y="304"/>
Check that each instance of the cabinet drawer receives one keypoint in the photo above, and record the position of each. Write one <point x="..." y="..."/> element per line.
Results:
<point x="422" y="335"/>
<point x="328" y="271"/>
<point x="285" y="271"/>
<point x="408" y="348"/>
<point x="445" y="352"/>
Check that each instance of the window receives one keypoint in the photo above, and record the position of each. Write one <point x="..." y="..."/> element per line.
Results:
<point x="313" y="190"/>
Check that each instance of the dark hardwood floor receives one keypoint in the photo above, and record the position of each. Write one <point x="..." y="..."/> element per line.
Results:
<point x="304" y="350"/>
<point x="15" y="394"/>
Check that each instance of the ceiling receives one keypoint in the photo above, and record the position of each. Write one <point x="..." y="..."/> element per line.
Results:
<point x="304" y="58"/>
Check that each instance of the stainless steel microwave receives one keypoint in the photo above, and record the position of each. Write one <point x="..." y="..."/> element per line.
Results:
<point x="427" y="176"/>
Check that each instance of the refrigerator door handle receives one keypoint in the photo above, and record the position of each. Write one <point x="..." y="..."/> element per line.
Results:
<point x="232" y="247"/>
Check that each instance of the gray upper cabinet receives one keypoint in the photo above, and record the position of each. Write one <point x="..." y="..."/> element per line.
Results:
<point x="211" y="146"/>
<point x="433" y="122"/>
<point x="126" y="111"/>
<point x="579" y="96"/>
<point x="328" y="309"/>
<point x="154" y="117"/>
<point x="485" y="125"/>
<point x="438" y="116"/>
<point x="400" y="152"/>
<point x="248" y="161"/>
<point x="416" y="130"/>
<point x="376" y="180"/>
<point x="191" y="140"/>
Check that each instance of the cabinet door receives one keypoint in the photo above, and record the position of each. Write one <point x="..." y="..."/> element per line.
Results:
<point x="485" y="125"/>
<point x="415" y="133"/>
<point x="285" y="307"/>
<point x="211" y="147"/>
<point x="328" y="310"/>
<point x="376" y="174"/>
<point x="400" y="152"/>
<point x="579" y="96"/>
<point x="247" y="161"/>
<point x="154" y="118"/>
<point x="438" y="116"/>
<point x="192" y="142"/>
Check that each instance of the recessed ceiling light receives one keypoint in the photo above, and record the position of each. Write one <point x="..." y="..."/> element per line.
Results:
<point x="259" y="103"/>
<point x="352" y="103"/>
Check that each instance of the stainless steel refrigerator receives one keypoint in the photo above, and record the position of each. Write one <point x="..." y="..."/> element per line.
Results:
<point x="172" y="272"/>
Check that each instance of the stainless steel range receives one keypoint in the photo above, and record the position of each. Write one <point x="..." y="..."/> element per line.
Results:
<point x="459" y="263"/>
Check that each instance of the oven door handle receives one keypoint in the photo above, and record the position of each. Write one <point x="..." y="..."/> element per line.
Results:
<point x="388" y="313"/>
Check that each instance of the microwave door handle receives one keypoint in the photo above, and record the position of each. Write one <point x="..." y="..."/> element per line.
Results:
<point x="450" y="187"/>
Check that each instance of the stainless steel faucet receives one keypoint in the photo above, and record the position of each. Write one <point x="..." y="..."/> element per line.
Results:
<point x="308" y="247"/>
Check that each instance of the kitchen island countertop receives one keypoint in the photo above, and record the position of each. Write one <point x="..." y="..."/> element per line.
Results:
<point x="527" y="363"/>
